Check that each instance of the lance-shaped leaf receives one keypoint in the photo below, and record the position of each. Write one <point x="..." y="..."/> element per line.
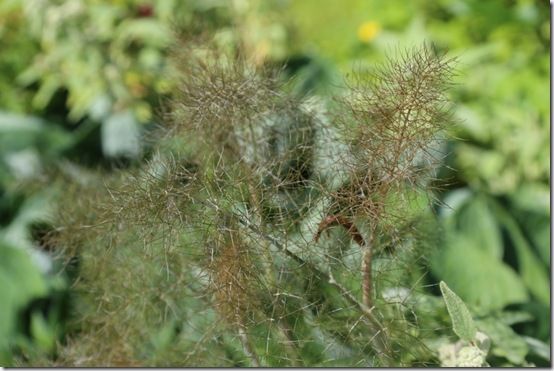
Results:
<point x="462" y="322"/>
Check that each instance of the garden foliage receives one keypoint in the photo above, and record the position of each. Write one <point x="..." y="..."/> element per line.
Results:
<point x="234" y="213"/>
<point x="224" y="197"/>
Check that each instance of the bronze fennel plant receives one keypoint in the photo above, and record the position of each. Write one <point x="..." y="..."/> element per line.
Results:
<point x="226" y="235"/>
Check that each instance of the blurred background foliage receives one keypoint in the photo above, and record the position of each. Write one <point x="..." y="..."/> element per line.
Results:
<point x="82" y="82"/>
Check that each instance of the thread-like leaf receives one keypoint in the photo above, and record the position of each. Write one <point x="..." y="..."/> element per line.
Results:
<point x="462" y="322"/>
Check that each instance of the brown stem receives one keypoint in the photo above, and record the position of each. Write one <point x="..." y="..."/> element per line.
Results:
<point x="367" y="277"/>
<point x="380" y="336"/>
<point x="347" y="224"/>
<point x="247" y="348"/>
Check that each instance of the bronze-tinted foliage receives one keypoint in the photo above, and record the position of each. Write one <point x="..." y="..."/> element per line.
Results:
<point x="393" y="118"/>
<point x="232" y="274"/>
<point x="194" y="220"/>
<point x="219" y="95"/>
<point x="398" y="110"/>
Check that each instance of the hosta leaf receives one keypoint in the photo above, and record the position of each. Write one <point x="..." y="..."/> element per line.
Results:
<point x="533" y="272"/>
<point x="534" y="197"/>
<point x="478" y="278"/>
<point x="478" y="223"/>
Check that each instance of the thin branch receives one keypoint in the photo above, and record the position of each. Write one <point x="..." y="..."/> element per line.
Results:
<point x="247" y="348"/>
<point x="367" y="279"/>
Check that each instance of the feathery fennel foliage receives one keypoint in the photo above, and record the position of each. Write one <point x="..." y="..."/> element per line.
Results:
<point x="266" y="229"/>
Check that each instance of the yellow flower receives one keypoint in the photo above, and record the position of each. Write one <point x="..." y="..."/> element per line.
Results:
<point x="135" y="85"/>
<point x="143" y="112"/>
<point x="368" y="31"/>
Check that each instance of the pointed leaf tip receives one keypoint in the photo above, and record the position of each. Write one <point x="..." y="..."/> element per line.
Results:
<point x="462" y="322"/>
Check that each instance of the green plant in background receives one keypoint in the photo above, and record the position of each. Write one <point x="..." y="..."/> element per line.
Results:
<point x="83" y="90"/>
<point x="108" y="57"/>
<point x="27" y="272"/>
<point x="17" y="49"/>
<point x="67" y="58"/>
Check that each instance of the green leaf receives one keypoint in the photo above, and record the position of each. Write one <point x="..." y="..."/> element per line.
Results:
<point x="453" y="202"/>
<point x="478" y="278"/>
<point x="43" y="333"/>
<point x="49" y="86"/>
<point x="20" y="132"/>
<point x="539" y="233"/>
<point x="533" y="272"/>
<point x="471" y="122"/>
<point x="462" y="322"/>
<point x="20" y="281"/>
<point x="477" y="222"/>
<point x="512" y="317"/>
<point x="538" y="347"/>
<point x="20" y="272"/>
<point x="534" y="197"/>
<point x="505" y="342"/>
<point x="148" y="31"/>
<point x="36" y="208"/>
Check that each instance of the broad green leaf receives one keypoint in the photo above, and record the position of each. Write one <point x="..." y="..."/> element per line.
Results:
<point x="10" y="122"/>
<point x="478" y="278"/>
<point x="471" y="123"/>
<point x="533" y="197"/>
<point x="536" y="228"/>
<point x="505" y="342"/>
<point x="8" y="310"/>
<point x="453" y="202"/>
<point x="513" y="317"/>
<point x="462" y="322"/>
<point x="47" y="89"/>
<point x="35" y="209"/>
<point x="533" y="272"/>
<point x="18" y="268"/>
<point x="22" y="132"/>
<point x="477" y="222"/>
<point x="147" y="31"/>
<point x="20" y="281"/>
